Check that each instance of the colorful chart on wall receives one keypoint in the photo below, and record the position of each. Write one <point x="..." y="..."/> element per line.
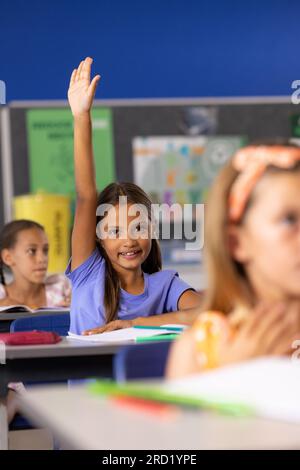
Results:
<point x="181" y="169"/>
<point x="50" y="148"/>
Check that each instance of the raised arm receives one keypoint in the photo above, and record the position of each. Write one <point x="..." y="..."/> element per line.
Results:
<point x="81" y="94"/>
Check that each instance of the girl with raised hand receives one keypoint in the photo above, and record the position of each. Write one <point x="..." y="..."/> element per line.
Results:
<point x="115" y="271"/>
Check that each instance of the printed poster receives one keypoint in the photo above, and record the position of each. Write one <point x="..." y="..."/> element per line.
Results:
<point x="50" y="146"/>
<point x="181" y="169"/>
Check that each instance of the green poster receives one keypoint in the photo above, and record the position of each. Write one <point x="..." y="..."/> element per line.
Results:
<point x="295" y="120"/>
<point x="50" y="144"/>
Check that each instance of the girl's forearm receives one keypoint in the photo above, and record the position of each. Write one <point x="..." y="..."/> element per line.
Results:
<point x="85" y="180"/>
<point x="184" y="317"/>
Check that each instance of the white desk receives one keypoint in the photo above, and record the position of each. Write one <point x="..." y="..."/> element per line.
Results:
<point x="65" y="348"/>
<point x="69" y="359"/>
<point x="85" y="421"/>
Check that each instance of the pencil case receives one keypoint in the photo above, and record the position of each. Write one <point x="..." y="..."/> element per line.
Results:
<point x="22" y="338"/>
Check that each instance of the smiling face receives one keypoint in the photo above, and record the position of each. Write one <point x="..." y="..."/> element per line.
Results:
<point x="126" y="238"/>
<point x="267" y="243"/>
<point x="28" y="258"/>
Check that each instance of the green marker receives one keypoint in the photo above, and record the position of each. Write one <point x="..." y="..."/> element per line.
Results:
<point x="169" y="328"/>
<point x="143" y="339"/>
<point x="148" y="392"/>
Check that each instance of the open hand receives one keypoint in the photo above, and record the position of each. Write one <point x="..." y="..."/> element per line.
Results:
<point x="113" y="325"/>
<point x="81" y="89"/>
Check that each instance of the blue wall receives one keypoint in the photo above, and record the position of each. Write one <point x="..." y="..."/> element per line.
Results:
<point x="157" y="48"/>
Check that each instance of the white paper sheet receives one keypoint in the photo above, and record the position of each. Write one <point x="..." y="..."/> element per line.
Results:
<point x="119" y="336"/>
<point x="270" y="385"/>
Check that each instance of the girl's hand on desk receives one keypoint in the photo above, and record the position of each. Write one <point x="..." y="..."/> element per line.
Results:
<point x="113" y="325"/>
<point x="81" y="89"/>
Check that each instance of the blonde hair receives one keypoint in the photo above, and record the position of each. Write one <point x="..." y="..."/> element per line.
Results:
<point x="228" y="285"/>
<point x="225" y="286"/>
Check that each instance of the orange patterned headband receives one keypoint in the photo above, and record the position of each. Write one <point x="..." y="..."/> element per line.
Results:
<point x="251" y="162"/>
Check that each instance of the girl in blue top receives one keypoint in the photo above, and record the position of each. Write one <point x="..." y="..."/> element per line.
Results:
<point x="116" y="276"/>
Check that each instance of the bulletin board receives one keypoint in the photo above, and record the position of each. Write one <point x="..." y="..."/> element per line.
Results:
<point x="131" y="121"/>
<point x="201" y="133"/>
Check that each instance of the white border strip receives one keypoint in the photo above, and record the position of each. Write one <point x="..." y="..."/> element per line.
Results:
<point x="162" y="101"/>
<point x="6" y="162"/>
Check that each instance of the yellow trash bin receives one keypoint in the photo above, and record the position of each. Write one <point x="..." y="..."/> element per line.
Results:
<point x="53" y="212"/>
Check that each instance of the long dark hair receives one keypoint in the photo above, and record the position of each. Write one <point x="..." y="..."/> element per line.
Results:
<point x="8" y="238"/>
<point x="135" y="195"/>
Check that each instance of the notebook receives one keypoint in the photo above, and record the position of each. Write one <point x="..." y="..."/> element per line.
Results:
<point x="270" y="386"/>
<point x="119" y="336"/>
<point x="25" y="308"/>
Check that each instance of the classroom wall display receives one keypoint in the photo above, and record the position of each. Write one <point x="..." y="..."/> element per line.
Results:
<point x="295" y="123"/>
<point x="50" y="149"/>
<point x="261" y="118"/>
<point x="53" y="212"/>
<point x="181" y="169"/>
<point x="256" y="120"/>
<point x="200" y="120"/>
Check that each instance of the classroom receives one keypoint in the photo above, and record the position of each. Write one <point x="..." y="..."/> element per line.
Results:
<point x="149" y="229"/>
